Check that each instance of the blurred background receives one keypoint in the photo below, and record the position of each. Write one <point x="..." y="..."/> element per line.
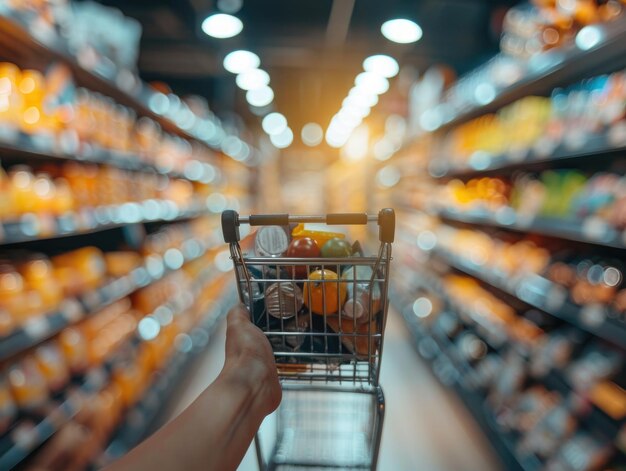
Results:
<point x="495" y="128"/>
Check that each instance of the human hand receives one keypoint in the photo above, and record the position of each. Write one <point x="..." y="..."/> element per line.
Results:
<point x="250" y="360"/>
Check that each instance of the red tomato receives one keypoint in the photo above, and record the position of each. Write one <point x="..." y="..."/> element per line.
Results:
<point x="304" y="247"/>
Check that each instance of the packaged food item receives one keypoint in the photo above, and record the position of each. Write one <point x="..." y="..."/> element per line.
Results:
<point x="8" y="409"/>
<point x="52" y="366"/>
<point x="362" y="293"/>
<point x="357" y="338"/>
<point x="582" y="452"/>
<point x="611" y="398"/>
<point x="74" y="347"/>
<point x="120" y="263"/>
<point x="318" y="235"/>
<point x="283" y="299"/>
<point x="324" y="293"/>
<point x="87" y="261"/>
<point x="271" y="241"/>
<point x="28" y="384"/>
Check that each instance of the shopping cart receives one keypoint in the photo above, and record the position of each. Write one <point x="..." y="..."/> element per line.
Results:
<point x="332" y="411"/>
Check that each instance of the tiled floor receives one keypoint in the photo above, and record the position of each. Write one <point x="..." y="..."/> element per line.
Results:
<point x="426" y="426"/>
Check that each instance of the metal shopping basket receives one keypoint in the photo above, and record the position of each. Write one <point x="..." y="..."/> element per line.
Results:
<point x="332" y="411"/>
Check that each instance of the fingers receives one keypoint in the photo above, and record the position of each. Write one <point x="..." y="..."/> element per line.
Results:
<point x="237" y="314"/>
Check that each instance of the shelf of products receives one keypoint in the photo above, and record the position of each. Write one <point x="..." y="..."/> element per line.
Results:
<point x="584" y="120"/>
<point x="112" y="263"/>
<point x="550" y="297"/>
<point x="513" y="286"/>
<point x="507" y="78"/>
<point x="46" y="320"/>
<point x="499" y="360"/>
<point x="19" y="445"/>
<point x="589" y="231"/>
<point x="571" y="204"/>
<point x="21" y="25"/>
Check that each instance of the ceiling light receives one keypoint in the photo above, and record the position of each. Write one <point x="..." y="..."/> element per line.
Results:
<point x="253" y="78"/>
<point x="221" y="25"/>
<point x="371" y="83"/>
<point x="260" y="96"/>
<point x="312" y="134"/>
<point x="355" y="110"/>
<point x="282" y="140"/>
<point x="360" y="98"/>
<point x="274" y="123"/>
<point x="381" y="64"/>
<point x="336" y="138"/>
<point x="240" y="61"/>
<point x="401" y="31"/>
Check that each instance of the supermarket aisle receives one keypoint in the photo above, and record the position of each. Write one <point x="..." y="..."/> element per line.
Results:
<point x="426" y="426"/>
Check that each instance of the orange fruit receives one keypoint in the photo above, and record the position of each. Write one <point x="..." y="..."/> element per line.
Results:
<point x="324" y="296"/>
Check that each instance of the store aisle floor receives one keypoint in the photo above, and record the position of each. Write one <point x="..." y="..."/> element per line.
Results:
<point x="426" y="426"/>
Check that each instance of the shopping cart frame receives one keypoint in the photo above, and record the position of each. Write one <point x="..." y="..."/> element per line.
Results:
<point x="338" y="369"/>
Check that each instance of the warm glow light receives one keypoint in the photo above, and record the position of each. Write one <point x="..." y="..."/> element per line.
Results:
<point x="274" y="123"/>
<point x="357" y="145"/>
<point x="335" y="140"/>
<point x="282" y="140"/>
<point x="241" y="61"/>
<point x="359" y="98"/>
<point x="221" y="25"/>
<point x="312" y="134"/>
<point x="401" y="31"/>
<point x="260" y="96"/>
<point x="381" y="64"/>
<point x="253" y="78"/>
<point x="355" y="110"/>
<point x="371" y="83"/>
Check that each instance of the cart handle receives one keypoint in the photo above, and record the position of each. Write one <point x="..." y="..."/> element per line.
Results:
<point x="386" y="219"/>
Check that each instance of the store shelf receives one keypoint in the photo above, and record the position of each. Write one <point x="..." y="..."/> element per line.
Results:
<point x="40" y="227"/>
<point x="590" y="230"/>
<point x="16" y="35"/>
<point x="473" y="401"/>
<point x="23" y="147"/>
<point x="556" y="68"/>
<point x="542" y="294"/>
<point x="72" y="310"/>
<point x="593" y="146"/>
<point x="29" y="434"/>
<point x="141" y="417"/>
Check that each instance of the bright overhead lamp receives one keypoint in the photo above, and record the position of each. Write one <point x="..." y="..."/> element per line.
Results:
<point x="354" y="110"/>
<point x="360" y="99"/>
<point x="312" y="134"/>
<point x="240" y="61"/>
<point x="253" y="78"/>
<point x="221" y="25"/>
<point x="336" y="138"/>
<point x="401" y="30"/>
<point x="260" y="96"/>
<point x="381" y="64"/>
<point x="369" y="82"/>
<point x="274" y="123"/>
<point x="283" y="139"/>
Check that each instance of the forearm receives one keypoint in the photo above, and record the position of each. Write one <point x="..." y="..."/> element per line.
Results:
<point x="213" y="433"/>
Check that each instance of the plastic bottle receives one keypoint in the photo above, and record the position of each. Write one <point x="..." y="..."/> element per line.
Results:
<point x="360" y="293"/>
